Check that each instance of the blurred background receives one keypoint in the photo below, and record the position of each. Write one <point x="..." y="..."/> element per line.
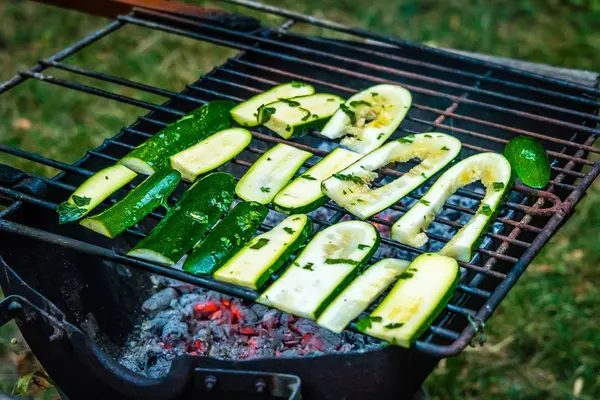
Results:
<point x="547" y="347"/>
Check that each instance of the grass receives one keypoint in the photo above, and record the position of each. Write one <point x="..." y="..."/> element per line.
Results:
<point x="542" y="342"/>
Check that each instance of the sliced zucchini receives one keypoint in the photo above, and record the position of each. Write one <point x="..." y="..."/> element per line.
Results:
<point x="369" y="118"/>
<point x="296" y="116"/>
<point x="495" y="173"/>
<point x="200" y="208"/>
<point x="210" y="153"/>
<point x="226" y="239"/>
<point x="154" y="153"/>
<point x="270" y="173"/>
<point x="350" y="187"/>
<point x="265" y="254"/>
<point x="361" y="293"/>
<point x="304" y="194"/>
<point x="418" y="297"/>
<point x="529" y="160"/>
<point x="246" y="113"/>
<point x="93" y="192"/>
<point x="136" y="205"/>
<point x="328" y="264"/>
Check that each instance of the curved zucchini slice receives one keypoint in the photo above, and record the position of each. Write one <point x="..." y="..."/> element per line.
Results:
<point x="350" y="187"/>
<point x="361" y="293"/>
<point x="246" y="113"/>
<point x="227" y="238"/>
<point x="94" y="191"/>
<point x="200" y="208"/>
<point x="495" y="173"/>
<point x="418" y="297"/>
<point x="265" y="254"/>
<point x="210" y="153"/>
<point x="304" y="194"/>
<point x="369" y="118"/>
<point x="296" y="116"/>
<point x="154" y="153"/>
<point x="136" y="205"/>
<point x="270" y="173"/>
<point x="328" y="264"/>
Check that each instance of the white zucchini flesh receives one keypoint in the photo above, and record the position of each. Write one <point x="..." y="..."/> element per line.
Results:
<point x="251" y="266"/>
<point x="305" y="190"/>
<point x="326" y="265"/>
<point x="435" y="150"/>
<point x="98" y="188"/>
<point x="246" y="113"/>
<point x="495" y="173"/>
<point x="376" y="111"/>
<point x="418" y="297"/>
<point x="297" y="115"/>
<point x="363" y="291"/>
<point x="210" y="153"/>
<point x="271" y="173"/>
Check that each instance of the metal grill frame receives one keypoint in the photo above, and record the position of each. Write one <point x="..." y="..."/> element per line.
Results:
<point x="534" y="220"/>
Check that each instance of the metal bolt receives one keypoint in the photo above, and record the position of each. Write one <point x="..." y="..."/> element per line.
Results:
<point x="210" y="382"/>
<point x="260" y="386"/>
<point x="14" y="306"/>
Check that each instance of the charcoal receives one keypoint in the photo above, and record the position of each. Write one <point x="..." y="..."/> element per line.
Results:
<point x="162" y="318"/>
<point x="271" y="318"/>
<point x="259" y="309"/>
<point x="246" y="316"/>
<point x="174" y="331"/>
<point x="305" y="326"/>
<point x="159" y="301"/>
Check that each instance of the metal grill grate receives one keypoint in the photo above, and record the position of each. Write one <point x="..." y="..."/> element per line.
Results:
<point x="482" y="104"/>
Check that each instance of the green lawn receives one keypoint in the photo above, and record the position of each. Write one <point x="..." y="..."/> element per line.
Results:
<point x="543" y="342"/>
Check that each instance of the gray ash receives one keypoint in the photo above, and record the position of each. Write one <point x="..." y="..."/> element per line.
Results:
<point x="182" y="319"/>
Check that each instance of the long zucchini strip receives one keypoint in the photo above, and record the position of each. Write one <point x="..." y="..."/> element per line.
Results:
<point x="210" y="153"/>
<point x="226" y="239"/>
<point x="304" y="194"/>
<point x="154" y="153"/>
<point x="270" y="173"/>
<point x="136" y="205"/>
<point x="418" y="297"/>
<point x="363" y="291"/>
<point x="265" y="254"/>
<point x="495" y="173"/>
<point x="185" y="224"/>
<point x="330" y="261"/>
<point x="94" y="191"/>
<point x="351" y="189"/>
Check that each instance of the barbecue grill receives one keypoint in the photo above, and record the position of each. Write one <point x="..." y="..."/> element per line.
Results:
<point x="76" y="296"/>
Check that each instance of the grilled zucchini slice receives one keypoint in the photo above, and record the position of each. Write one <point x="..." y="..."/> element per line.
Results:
<point x="94" y="191"/>
<point x="296" y="116"/>
<point x="418" y="297"/>
<point x="361" y="293"/>
<point x="265" y="254"/>
<point x="304" y="194"/>
<point x="350" y="187"/>
<point x="270" y="173"/>
<point x="246" y="113"/>
<point x="210" y="153"/>
<point x="367" y="119"/>
<point x="328" y="264"/>
<point x="495" y="173"/>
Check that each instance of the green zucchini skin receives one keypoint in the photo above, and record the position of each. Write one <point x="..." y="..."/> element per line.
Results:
<point x="304" y="209"/>
<point x="136" y="205"/>
<point x="201" y="206"/>
<point x="226" y="239"/>
<point x="529" y="160"/>
<point x="154" y="153"/>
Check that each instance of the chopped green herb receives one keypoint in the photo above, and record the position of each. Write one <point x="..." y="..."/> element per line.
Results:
<point x="265" y="189"/>
<point x="81" y="201"/>
<point x="344" y="192"/>
<point x="296" y="84"/>
<point x="380" y="136"/>
<point x="289" y="230"/>
<point x="393" y="325"/>
<point x="498" y="186"/>
<point x="331" y="261"/>
<point x="428" y="136"/>
<point x="405" y="275"/>
<point x="424" y="202"/>
<point x="309" y="177"/>
<point x="411" y="136"/>
<point x="266" y="114"/>
<point x="486" y="210"/>
<point x="445" y="148"/>
<point x="363" y="246"/>
<point x="357" y="103"/>
<point x="315" y="116"/>
<point x="365" y="323"/>
<point x="106" y="177"/>
<point x="403" y="140"/>
<point x="268" y="158"/>
<point x="288" y="128"/>
<point x="423" y="175"/>
<point x="290" y="103"/>
<point x="360" y="201"/>
<point x="305" y="117"/>
<point x="331" y="99"/>
<point x="349" y="177"/>
<point x="348" y="112"/>
<point x="374" y="94"/>
<point x="68" y="212"/>
<point x="296" y="219"/>
<point x="260" y="243"/>
<point x="309" y="266"/>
